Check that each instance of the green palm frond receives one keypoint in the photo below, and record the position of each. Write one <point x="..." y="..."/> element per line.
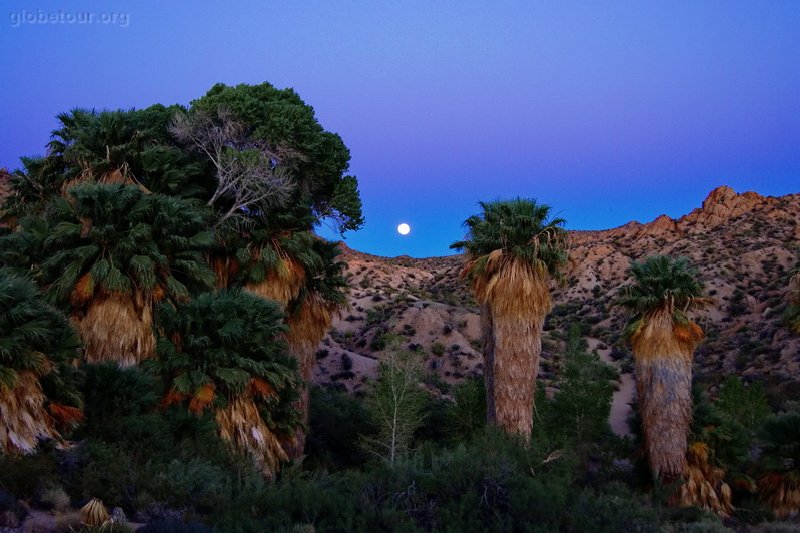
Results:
<point x="520" y="228"/>
<point x="117" y="239"/>
<point x="37" y="338"/>
<point x="325" y="275"/>
<point x="224" y="340"/>
<point x="661" y="283"/>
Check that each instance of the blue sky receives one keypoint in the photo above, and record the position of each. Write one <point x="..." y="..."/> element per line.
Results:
<point x="608" y="111"/>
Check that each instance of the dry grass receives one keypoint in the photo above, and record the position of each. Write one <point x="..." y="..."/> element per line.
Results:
<point x="241" y="426"/>
<point x="115" y="329"/>
<point x="663" y="383"/>
<point x="23" y="417"/>
<point x="703" y="483"/>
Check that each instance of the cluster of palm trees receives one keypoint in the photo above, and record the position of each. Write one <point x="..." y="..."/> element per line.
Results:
<point x="124" y="250"/>
<point x="513" y="249"/>
<point x="117" y="254"/>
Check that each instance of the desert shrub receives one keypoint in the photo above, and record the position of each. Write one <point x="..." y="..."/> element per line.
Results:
<point x="53" y="498"/>
<point x="335" y="421"/>
<point x="466" y="416"/>
<point x="578" y="414"/>
<point x="378" y="342"/>
<point x="121" y="407"/>
<point x="437" y="349"/>
<point x="107" y="472"/>
<point x="175" y="526"/>
<point x="22" y="476"/>
<point x="10" y="506"/>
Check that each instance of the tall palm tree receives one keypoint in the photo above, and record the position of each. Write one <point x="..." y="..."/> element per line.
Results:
<point x="512" y="250"/>
<point x="113" y="251"/>
<point x="309" y="317"/>
<point x="222" y="351"/>
<point x="664" y="338"/>
<point x="38" y="393"/>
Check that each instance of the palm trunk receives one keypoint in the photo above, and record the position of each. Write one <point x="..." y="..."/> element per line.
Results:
<point x="23" y="417"/>
<point x="664" y="386"/>
<point x="242" y="427"/>
<point x="515" y="302"/>
<point x="517" y="348"/>
<point x="306" y="329"/>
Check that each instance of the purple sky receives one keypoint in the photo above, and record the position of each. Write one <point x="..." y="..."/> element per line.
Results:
<point x="609" y="111"/>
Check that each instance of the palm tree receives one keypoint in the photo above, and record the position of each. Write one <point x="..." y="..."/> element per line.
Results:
<point x="121" y="146"/>
<point x="310" y="314"/>
<point x="663" y="340"/>
<point x="222" y="351"/>
<point x="38" y="394"/>
<point x="512" y="249"/>
<point x="113" y="251"/>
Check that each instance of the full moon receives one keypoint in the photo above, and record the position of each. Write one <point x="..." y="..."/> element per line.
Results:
<point x="403" y="229"/>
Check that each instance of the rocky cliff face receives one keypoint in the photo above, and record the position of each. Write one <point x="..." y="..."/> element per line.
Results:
<point x="743" y="245"/>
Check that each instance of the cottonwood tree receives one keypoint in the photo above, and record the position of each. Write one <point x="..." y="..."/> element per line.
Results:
<point x="249" y="172"/>
<point x="395" y="402"/>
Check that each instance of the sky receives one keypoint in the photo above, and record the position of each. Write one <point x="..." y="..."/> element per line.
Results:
<point x="609" y="111"/>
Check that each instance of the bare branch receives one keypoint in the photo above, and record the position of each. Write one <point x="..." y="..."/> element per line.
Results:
<point x="251" y="174"/>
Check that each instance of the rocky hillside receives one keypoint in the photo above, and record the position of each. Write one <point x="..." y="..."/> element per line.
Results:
<point x="744" y="246"/>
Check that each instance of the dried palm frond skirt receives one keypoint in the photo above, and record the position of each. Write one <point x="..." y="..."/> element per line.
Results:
<point x="117" y="330"/>
<point x="23" y="417"/>
<point x="704" y="484"/>
<point x="242" y="427"/>
<point x="781" y="492"/>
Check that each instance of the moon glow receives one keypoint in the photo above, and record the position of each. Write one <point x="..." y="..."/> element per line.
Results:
<point x="403" y="229"/>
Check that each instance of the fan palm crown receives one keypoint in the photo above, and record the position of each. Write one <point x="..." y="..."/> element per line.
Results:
<point x="38" y="384"/>
<point x="222" y="351"/>
<point x="518" y="229"/>
<point x="662" y="285"/>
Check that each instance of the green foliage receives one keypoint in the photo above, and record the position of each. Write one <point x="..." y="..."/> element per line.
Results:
<point x="280" y="117"/>
<point x="395" y="403"/>
<point x="578" y="413"/>
<point x="743" y="404"/>
<point x="521" y="228"/>
<point x="780" y="437"/>
<point x="324" y="270"/>
<point x="223" y="345"/>
<point x="88" y="145"/>
<point x="467" y="416"/>
<point x="336" y="422"/>
<point x="121" y="408"/>
<point x="36" y="338"/>
<point x="116" y="239"/>
<point x="660" y="282"/>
